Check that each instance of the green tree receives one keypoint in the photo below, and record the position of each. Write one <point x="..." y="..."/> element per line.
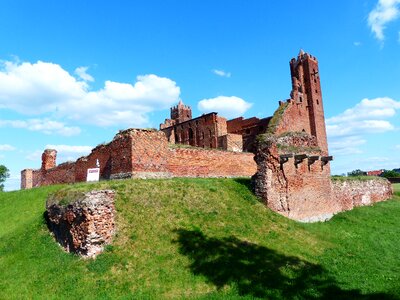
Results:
<point x="390" y="174"/>
<point x="4" y="174"/>
<point x="357" y="172"/>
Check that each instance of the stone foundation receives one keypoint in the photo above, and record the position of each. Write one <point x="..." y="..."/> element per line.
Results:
<point x="83" y="223"/>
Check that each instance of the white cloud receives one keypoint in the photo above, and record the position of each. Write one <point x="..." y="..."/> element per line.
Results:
<point x="42" y="125"/>
<point x="46" y="88"/>
<point x="229" y="107"/>
<point x="35" y="155"/>
<point x="345" y="131"/>
<point x="397" y="147"/>
<point x="346" y="145"/>
<point x="6" y="147"/>
<point x="357" y="44"/>
<point x="64" y="153"/>
<point x="221" y="73"/>
<point x="384" y="12"/>
<point x="81" y="72"/>
<point x="377" y="108"/>
<point x="358" y="127"/>
<point x="70" y="153"/>
<point x="70" y="149"/>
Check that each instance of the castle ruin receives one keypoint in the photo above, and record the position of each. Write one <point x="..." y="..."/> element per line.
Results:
<point x="287" y="153"/>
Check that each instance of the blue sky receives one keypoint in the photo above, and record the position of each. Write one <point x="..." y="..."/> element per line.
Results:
<point x="72" y="73"/>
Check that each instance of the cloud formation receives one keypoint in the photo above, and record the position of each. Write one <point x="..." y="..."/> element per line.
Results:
<point x="64" y="152"/>
<point x="70" y="153"/>
<point x="229" y="107"/>
<point x="44" y="88"/>
<point x="81" y="72"/>
<point x="6" y="147"/>
<point x="384" y="12"/>
<point x="345" y="131"/>
<point x="368" y="116"/>
<point x="221" y="73"/>
<point x="45" y="126"/>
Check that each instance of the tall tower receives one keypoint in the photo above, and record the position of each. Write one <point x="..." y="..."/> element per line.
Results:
<point x="181" y="112"/>
<point x="306" y="90"/>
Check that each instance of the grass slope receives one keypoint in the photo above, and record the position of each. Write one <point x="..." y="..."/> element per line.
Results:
<point x="201" y="239"/>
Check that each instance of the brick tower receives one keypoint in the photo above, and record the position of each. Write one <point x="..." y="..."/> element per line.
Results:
<point x="306" y="91"/>
<point x="49" y="157"/>
<point x="181" y="112"/>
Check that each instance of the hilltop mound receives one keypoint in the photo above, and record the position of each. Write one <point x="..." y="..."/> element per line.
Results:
<point x="200" y="238"/>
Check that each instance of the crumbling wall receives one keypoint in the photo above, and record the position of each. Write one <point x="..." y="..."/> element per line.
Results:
<point x="140" y="153"/>
<point x="82" y="223"/>
<point x="292" y="177"/>
<point x="351" y="193"/>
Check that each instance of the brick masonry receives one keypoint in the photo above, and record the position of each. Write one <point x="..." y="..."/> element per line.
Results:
<point x="85" y="224"/>
<point x="292" y="174"/>
<point x="352" y="193"/>
<point x="296" y="185"/>
<point x="139" y="153"/>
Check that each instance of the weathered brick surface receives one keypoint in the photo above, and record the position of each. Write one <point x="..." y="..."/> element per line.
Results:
<point x="49" y="157"/>
<point x="26" y="179"/>
<point x="85" y="225"/>
<point x="231" y="142"/>
<point x="210" y="163"/>
<point x="248" y="129"/>
<point x="64" y="173"/>
<point x="297" y="189"/>
<point x="138" y="153"/>
<point x="352" y="193"/>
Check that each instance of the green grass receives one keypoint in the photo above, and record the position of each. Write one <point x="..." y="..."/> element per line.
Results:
<point x="201" y="239"/>
<point x="356" y="178"/>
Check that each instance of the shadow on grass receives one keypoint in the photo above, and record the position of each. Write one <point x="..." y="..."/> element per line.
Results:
<point x="246" y="182"/>
<point x="258" y="271"/>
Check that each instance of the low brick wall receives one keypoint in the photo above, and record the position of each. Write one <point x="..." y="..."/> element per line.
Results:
<point x="139" y="153"/>
<point x="352" y="193"/>
<point x="209" y="163"/>
<point x="86" y="224"/>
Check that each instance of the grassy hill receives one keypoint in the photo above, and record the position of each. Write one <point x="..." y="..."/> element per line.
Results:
<point x="201" y="239"/>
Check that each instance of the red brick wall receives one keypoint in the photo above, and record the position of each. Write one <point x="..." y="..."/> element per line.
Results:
<point x="63" y="173"/>
<point x="26" y="179"/>
<point x="49" y="157"/>
<point x="210" y="163"/>
<point x="143" y="153"/>
<point x="149" y="152"/>
<point x="231" y="142"/>
<point x="300" y="191"/>
<point x="102" y="153"/>
<point x="294" y="111"/>
<point x="249" y="129"/>
<point x="352" y="193"/>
